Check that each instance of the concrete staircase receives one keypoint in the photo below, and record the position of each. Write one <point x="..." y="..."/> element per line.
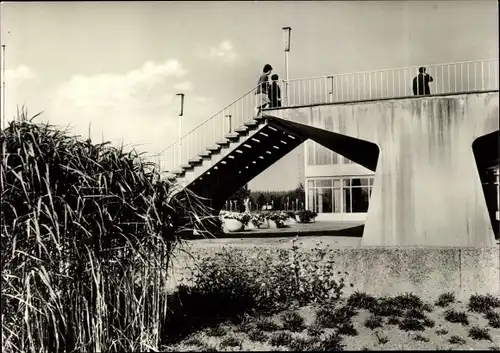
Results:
<point x="224" y="167"/>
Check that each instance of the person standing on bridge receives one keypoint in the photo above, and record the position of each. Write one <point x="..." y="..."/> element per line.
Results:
<point x="261" y="94"/>
<point x="421" y="83"/>
<point x="275" y="92"/>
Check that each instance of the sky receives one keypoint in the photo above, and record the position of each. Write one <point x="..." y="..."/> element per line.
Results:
<point x="112" y="69"/>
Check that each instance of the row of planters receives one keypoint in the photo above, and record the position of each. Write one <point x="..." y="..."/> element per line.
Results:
<point x="236" y="222"/>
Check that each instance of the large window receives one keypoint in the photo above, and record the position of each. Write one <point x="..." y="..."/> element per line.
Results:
<point x="339" y="195"/>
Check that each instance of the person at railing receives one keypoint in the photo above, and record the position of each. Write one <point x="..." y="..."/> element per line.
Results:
<point x="261" y="93"/>
<point x="421" y="83"/>
<point x="274" y="92"/>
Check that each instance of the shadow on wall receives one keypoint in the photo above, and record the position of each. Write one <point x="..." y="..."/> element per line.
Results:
<point x="485" y="149"/>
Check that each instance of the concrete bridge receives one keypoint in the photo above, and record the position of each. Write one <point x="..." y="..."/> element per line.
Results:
<point x="425" y="150"/>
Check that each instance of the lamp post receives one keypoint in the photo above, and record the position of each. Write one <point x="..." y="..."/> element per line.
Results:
<point x="286" y="42"/>
<point x="181" y="113"/>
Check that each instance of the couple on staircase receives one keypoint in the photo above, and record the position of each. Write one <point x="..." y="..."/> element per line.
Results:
<point x="267" y="94"/>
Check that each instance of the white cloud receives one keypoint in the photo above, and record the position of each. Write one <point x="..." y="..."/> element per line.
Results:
<point x="224" y="51"/>
<point x="19" y="74"/>
<point x="183" y="86"/>
<point x="139" y="107"/>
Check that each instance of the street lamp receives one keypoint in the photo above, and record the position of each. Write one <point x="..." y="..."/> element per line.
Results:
<point x="181" y="113"/>
<point x="286" y="42"/>
<point x="3" y="122"/>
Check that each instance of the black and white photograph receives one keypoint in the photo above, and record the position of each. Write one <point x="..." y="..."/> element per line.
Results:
<point x="249" y="176"/>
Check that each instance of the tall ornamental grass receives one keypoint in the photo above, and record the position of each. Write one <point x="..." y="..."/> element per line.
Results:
<point x="87" y="233"/>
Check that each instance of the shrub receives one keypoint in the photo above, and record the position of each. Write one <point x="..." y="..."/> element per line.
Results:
<point x="411" y="324"/>
<point x="194" y="341"/>
<point x="331" y="318"/>
<point x="445" y="299"/>
<point x="493" y="319"/>
<point x="415" y="313"/>
<point x="266" y="325"/>
<point x="280" y="339"/>
<point x="457" y="317"/>
<point x="361" y="300"/>
<point x="381" y="339"/>
<point x="332" y="342"/>
<point x="88" y="231"/>
<point x="408" y="301"/>
<point x="393" y="320"/>
<point x="257" y="219"/>
<point x="314" y="330"/>
<point x="483" y="303"/>
<point x="292" y="321"/>
<point x="441" y="332"/>
<point x="257" y="336"/>
<point x="270" y="284"/>
<point x="230" y="341"/>
<point x="478" y="333"/>
<point x="386" y="307"/>
<point x="347" y="329"/>
<point x="216" y="331"/>
<point x="374" y="322"/>
<point x="456" y="340"/>
<point x="299" y="344"/>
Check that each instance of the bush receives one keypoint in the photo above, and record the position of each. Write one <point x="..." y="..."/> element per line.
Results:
<point x="280" y="339"/>
<point x="88" y="233"/>
<point x="267" y="283"/>
<point x="361" y="300"/>
<point x="331" y="318"/>
<point x="230" y="342"/>
<point x="478" y="333"/>
<point x="292" y="321"/>
<point x="483" y="303"/>
<point x="456" y="340"/>
<point x="257" y="336"/>
<point x="332" y="342"/>
<point x="493" y="319"/>
<point x="445" y="299"/>
<point x="374" y="322"/>
<point x="457" y="317"/>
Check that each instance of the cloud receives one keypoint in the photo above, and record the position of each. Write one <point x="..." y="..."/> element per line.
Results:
<point x="139" y="107"/>
<point x="19" y="74"/>
<point x="183" y="86"/>
<point x="224" y="51"/>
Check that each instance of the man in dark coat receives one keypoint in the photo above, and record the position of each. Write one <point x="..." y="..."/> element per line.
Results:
<point x="421" y="83"/>
<point x="274" y="92"/>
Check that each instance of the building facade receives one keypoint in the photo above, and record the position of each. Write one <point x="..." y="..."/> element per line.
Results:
<point x="336" y="188"/>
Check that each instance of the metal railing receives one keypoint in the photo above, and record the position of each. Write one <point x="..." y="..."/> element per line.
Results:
<point x="458" y="77"/>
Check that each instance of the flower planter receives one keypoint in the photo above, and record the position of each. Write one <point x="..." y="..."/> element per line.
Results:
<point x="273" y="224"/>
<point x="264" y="225"/>
<point x="250" y="225"/>
<point x="233" y="225"/>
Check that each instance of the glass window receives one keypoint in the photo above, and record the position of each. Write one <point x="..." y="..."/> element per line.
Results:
<point x="360" y="182"/>
<point x="337" y="183"/>
<point x="323" y="182"/>
<point x="337" y="200"/>
<point x="360" y="199"/>
<point x="324" y="200"/>
<point x="311" y="200"/>
<point x="347" y="200"/>
<point x="310" y="183"/>
<point x="347" y="182"/>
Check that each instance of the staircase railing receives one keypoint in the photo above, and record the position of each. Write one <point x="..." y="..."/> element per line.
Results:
<point x="458" y="77"/>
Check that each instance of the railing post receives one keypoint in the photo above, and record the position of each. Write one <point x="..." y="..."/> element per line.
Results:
<point x="229" y="120"/>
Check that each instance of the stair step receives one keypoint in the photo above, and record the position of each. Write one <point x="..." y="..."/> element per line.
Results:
<point x="213" y="148"/>
<point x="259" y="118"/>
<point x="195" y="160"/>
<point x="241" y="130"/>
<point x="251" y="123"/>
<point x="222" y="142"/>
<point x="204" y="154"/>
<point x="232" y="136"/>
<point x="186" y="166"/>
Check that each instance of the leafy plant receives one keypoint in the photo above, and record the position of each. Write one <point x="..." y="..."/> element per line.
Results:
<point x="445" y="299"/>
<point x="411" y="324"/>
<point x="332" y="342"/>
<point x="483" y="303"/>
<point x="266" y="325"/>
<point x="314" y="330"/>
<point x="456" y="340"/>
<point x="393" y="320"/>
<point x="242" y="217"/>
<point x="88" y="233"/>
<point x="441" y="332"/>
<point x="306" y="216"/>
<point x="493" y="319"/>
<point x="347" y="329"/>
<point x="216" y="331"/>
<point x="361" y="300"/>
<point x="457" y="317"/>
<point x="332" y="317"/>
<point x="420" y="338"/>
<point x="381" y="339"/>
<point x="280" y="339"/>
<point x="257" y="335"/>
<point x="478" y="333"/>
<point x="230" y="341"/>
<point x="292" y="321"/>
<point x="257" y="219"/>
<point x="374" y="322"/>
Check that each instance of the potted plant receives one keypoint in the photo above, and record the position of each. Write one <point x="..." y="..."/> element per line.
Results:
<point x="292" y="219"/>
<point x="277" y="219"/>
<point x="257" y="220"/>
<point x="235" y="222"/>
<point x="306" y="216"/>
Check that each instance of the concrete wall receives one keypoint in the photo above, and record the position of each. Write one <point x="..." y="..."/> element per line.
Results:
<point x="427" y="189"/>
<point x="428" y="271"/>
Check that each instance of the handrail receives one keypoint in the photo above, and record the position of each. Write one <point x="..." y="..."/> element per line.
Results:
<point x="393" y="69"/>
<point x="205" y="121"/>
